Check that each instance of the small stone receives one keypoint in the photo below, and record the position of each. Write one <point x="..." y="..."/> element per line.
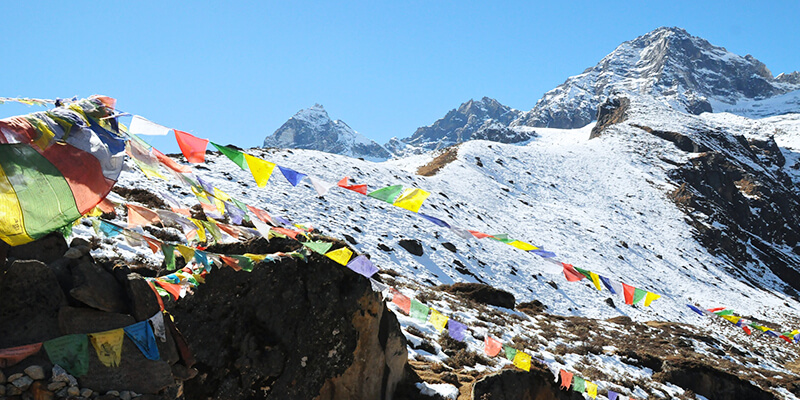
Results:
<point x="14" y="377"/>
<point x="73" y="253"/>
<point x="2" y="390"/>
<point x="126" y="395"/>
<point x="113" y="393"/>
<point x="23" y="383"/>
<point x="62" y="393"/>
<point x="134" y="394"/>
<point x="40" y="392"/>
<point x="35" y="372"/>
<point x="12" y="390"/>
<point x="2" y="378"/>
<point x="73" y="391"/>
<point x="86" y="393"/>
<point x="60" y="375"/>
<point x="56" y="386"/>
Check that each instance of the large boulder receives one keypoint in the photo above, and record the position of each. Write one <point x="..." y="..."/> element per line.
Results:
<point x="481" y="293"/>
<point x="514" y="384"/>
<point x="46" y="249"/>
<point x="97" y="288"/>
<point x="31" y="298"/>
<point x="291" y="330"/>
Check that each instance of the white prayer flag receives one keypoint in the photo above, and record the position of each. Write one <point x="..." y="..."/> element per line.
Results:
<point x="143" y="126"/>
<point x="321" y="186"/>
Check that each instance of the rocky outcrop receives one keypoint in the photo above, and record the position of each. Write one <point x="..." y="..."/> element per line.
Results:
<point x="611" y="112"/>
<point x="481" y="293"/>
<point x="508" y="384"/>
<point x="711" y="382"/>
<point x="291" y="329"/>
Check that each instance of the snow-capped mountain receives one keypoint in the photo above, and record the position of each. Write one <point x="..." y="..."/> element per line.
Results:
<point x="313" y="129"/>
<point x="682" y="70"/>
<point x="482" y="119"/>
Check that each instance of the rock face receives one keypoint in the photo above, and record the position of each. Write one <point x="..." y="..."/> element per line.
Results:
<point x="483" y="119"/>
<point x="520" y="385"/>
<point x="313" y="129"/>
<point x="481" y="293"/>
<point x="291" y="330"/>
<point x="684" y="71"/>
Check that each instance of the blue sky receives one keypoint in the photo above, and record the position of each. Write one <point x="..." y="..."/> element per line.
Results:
<point x="235" y="73"/>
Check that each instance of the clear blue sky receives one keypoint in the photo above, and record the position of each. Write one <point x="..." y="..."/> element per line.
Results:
<point x="235" y="71"/>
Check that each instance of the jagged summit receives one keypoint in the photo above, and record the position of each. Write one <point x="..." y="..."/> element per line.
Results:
<point x="470" y="120"/>
<point x="313" y="129"/>
<point x="682" y="70"/>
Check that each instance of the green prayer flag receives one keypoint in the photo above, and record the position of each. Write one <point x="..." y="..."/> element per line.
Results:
<point x="235" y="155"/>
<point x="585" y="273"/>
<point x="724" y="312"/>
<point x="245" y="263"/>
<point x="638" y="295"/>
<point x="419" y="311"/>
<point x="71" y="352"/>
<point x="213" y="229"/>
<point x="578" y="384"/>
<point x="510" y="352"/>
<point x="242" y="207"/>
<point x="169" y="256"/>
<point x="319" y="246"/>
<point x="502" y="237"/>
<point x="387" y="194"/>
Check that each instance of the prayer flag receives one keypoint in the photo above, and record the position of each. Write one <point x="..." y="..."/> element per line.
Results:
<point x="596" y="280"/>
<point x="44" y="185"/>
<point x="108" y="346"/>
<point x="695" y="309"/>
<point x="169" y="256"/>
<point x="109" y="229"/>
<point x="387" y="194"/>
<point x="456" y="330"/>
<point x="261" y="169"/>
<point x="172" y="288"/>
<point x="491" y="346"/>
<point x="143" y="126"/>
<point x="612" y="395"/>
<point x="235" y="155"/>
<point x="543" y="253"/>
<point x="436" y="221"/>
<point x="193" y="148"/>
<point x="170" y="163"/>
<point x="411" y="199"/>
<point x="461" y="232"/>
<point x="438" y="320"/>
<point x="261" y="215"/>
<point x="584" y="272"/>
<point x="202" y="258"/>
<point x="578" y="384"/>
<point x="291" y="175"/>
<point x="522" y="245"/>
<point x="244" y="262"/>
<point x="479" y="235"/>
<point x="591" y="389"/>
<point x="629" y="293"/>
<point x="288" y="232"/>
<point x="501" y="237"/>
<point x="71" y="352"/>
<point x="231" y="262"/>
<point x="142" y="335"/>
<point x="649" y="297"/>
<point x="341" y="255"/>
<point x="14" y="355"/>
<point x="322" y="187"/>
<point x="607" y="284"/>
<point x="401" y="301"/>
<point x="571" y="274"/>
<point x="522" y="361"/>
<point x="566" y="379"/>
<point x="319" y="246"/>
<point x="638" y="295"/>
<point x="419" y="311"/>
<point x="187" y="253"/>
<point x="363" y="266"/>
<point x="510" y="352"/>
<point x="356" y="188"/>
<point x="157" y="321"/>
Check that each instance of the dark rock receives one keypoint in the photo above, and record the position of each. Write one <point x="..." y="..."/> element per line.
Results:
<point x="291" y="331"/>
<point x="46" y="249"/>
<point x="142" y="300"/>
<point x="86" y="320"/>
<point x="134" y="373"/>
<point x="77" y="242"/>
<point x="384" y="247"/>
<point x="350" y="239"/>
<point x="612" y="111"/>
<point x="481" y="293"/>
<point x="31" y="298"/>
<point x="710" y="382"/>
<point x="97" y="288"/>
<point x="682" y="142"/>
<point x="62" y="272"/>
<point x="450" y="246"/>
<point x="513" y="384"/>
<point x="412" y="246"/>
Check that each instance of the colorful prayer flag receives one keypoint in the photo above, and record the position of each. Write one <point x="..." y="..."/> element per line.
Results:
<point x="612" y="395"/>
<point x="14" y="355"/>
<point x="436" y="221"/>
<point x="71" y="352"/>
<point x="638" y="295"/>
<point x="456" y="330"/>
<point x="142" y="335"/>
<point x="411" y="199"/>
<point x="363" y="266"/>
<point x="510" y="352"/>
<point x="341" y="256"/>
<point x="344" y="183"/>
<point x="387" y="194"/>
<point x="235" y="155"/>
<point x="319" y="246"/>
<point x="108" y="346"/>
<point x="479" y="235"/>
<point x="419" y="311"/>
<point x="143" y="126"/>
<point x="291" y="175"/>
<point x="159" y="329"/>
<point x="591" y="389"/>
<point x="522" y="245"/>
<point x="578" y="384"/>
<point x="261" y="169"/>
<point x="491" y="346"/>
<point x="629" y="293"/>
<point x="649" y="297"/>
<point x="570" y="273"/>
<point x="438" y="320"/>
<point x="187" y="253"/>
<point x="596" y="280"/>
<point x="169" y="256"/>
<point x="192" y="147"/>
<point x="401" y="301"/>
<point x="543" y="253"/>
<point x="607" y="284"/>
<point x="522" y="361"/>
<point x="566" y="379"/>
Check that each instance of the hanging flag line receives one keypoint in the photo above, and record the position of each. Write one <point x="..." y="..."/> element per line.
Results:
<point x="728" y="314"/>
<point x="629" y="294"/>
<point x="71" y="351"/>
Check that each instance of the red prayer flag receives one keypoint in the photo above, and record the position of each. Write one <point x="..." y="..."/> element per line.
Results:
<point x="566" y="379"/>
<point x="479" y="235"/>
<point x="154" y="245"/>
<point x="14" y="355"/>
<point x="571" y="274"/>
<point x="785" y="338"/>
<point x="229" y="229"/>
<point x="158" y="296"/>
<point x="106" y="206"/>
<point x="173" y="288"/>
<point x="491" y="346"/>
<point x="747" y="330"/>
<point x="402" y="301"/>
<point x="356" y="188"/>
<point x="261" y="214"/>
<point x="170" y="163"/>
<point x="288" y="232"/>
<point x="716" y="309"/>
<point x="140" y="216"/>
<point x="629" y="291"/>
<point x="193" y="148"/>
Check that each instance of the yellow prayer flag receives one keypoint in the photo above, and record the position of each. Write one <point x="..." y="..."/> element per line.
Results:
<point x="411" y="199"/>
<point x="108" y="346"/>
<point x="522" y="361"/>
<point x="201" y="231"/>
<point x="219" y="197"/>
<point x="591" y="389"/>
<point x="199" y="278"/>
<point x="187" y="252"/>
<point x="649" y="298"/>
<point x="255" y="257"/>
<point x="438" y="320"/>
<point x="523" y="245"/>
<point x="596" y="280"/>
<point x="261" y="169"/>
<point x="95" y="212"/>
<point x="341" y="256"/>
<point x="733" y="318"/>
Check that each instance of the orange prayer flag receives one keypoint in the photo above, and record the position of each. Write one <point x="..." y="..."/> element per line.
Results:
<point x="193" y="148"/>
<point x="14" y="355"/>
<point x="106" y="206"/>
<point x="154" y="245"/>
<point x="158" y="296"/>
<point x="479" y="235"/>
<point x="173" y="288"/>
<point x="629" y="291"/>
<point x="571" y="274"/>
<point x="491" y="346"/>
<point x="170" y="163"/>
<point x="288" y="232"/>
<point x="231" y="262"/>
<point x="140" y="216"/>
<point x="261" y="214"/>
<point x="356" y="188"/>
<point x="230" y="230"/>
<point x="401" y="300"/>
<point x="566" y="379"/>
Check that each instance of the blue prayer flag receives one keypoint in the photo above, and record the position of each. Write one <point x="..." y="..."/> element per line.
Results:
<point x="142" y="335"/>
<point x="436" y="221"/>
<point x="543" y="253"/>
<point x="292" y="176"/>
<point x="607" y="284"/>
<point x="363" y="266"/>
<point x="456" y="330"/>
